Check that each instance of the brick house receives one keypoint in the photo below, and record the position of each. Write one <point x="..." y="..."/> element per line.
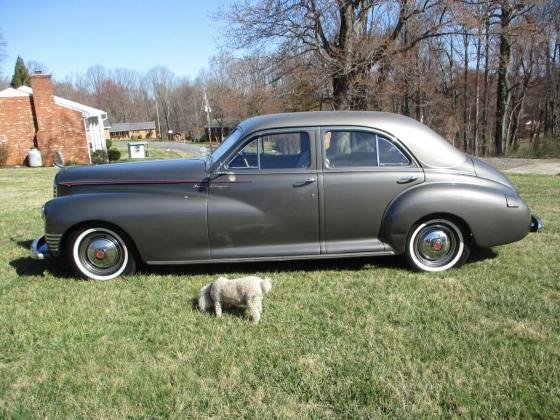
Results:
<point x="34" y="117"/>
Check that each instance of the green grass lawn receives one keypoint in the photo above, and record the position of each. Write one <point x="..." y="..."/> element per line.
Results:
<point x="337" y="339"/>
<point x="153" y="153"/>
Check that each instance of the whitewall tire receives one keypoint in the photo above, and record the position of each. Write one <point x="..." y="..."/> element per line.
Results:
<point x="100" y="253"/>
<point x="436" y="245"/>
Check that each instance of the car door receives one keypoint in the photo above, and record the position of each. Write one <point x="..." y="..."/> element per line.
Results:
<point x="363" y="171"/>
<point x="263" y="202"/>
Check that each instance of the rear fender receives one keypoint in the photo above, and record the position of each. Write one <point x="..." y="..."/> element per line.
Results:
<point x="482" y="210"/>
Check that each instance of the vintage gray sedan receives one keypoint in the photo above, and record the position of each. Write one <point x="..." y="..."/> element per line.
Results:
<point x="287" y="186"/>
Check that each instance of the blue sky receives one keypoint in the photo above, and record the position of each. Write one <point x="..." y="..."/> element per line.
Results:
<point x="68" y="36"/>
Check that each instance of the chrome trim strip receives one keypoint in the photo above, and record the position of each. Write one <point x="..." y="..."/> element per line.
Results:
<point x="284" y="258"/>
<point x="53" y="241"/>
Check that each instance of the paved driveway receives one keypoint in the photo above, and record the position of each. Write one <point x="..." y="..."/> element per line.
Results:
<point x="192" y="150"/>
<point x="526" y="166"/>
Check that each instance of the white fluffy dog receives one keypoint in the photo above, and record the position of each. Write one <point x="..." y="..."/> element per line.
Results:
<point x="245" y="291"/>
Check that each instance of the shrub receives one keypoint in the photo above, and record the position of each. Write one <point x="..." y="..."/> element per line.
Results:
<point x="70" y="162"/>
<point x="99" y="156"/>
<point x="148" y="135"/>
<point x="3" y="154"/>
<point x="113" y="155"/>
<point x="109" y="143"/>
<point x="139" y="136"/>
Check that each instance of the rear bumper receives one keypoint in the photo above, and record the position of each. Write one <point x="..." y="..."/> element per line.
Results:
<point x="40" y="249"/>
<point x="537" y="224"/>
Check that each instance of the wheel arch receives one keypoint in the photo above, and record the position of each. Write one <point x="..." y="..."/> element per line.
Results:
<point x="99" y="223"/>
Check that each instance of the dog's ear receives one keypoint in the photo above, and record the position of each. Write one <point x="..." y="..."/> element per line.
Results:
<point x="266" y="285"/>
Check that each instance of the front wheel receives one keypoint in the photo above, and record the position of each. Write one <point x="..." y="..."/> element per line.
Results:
<point x="100" y="253"/>
<point x="436" y="245"/>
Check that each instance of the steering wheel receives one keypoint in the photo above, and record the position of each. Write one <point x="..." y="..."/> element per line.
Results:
<point x="244" y="157"/>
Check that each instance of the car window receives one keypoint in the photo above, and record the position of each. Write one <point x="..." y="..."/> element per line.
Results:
<point x="344" y="149"/>
<point x="390" y="154"/>
<point x="248" y="157"/>
<point x="353" y="148"/>
<point x="275" y="151"/>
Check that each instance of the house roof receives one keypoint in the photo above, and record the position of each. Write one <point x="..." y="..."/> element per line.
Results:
<point x="87" y="111"/>
<point x="12" y="93"/>
<point x="119" y="127"/>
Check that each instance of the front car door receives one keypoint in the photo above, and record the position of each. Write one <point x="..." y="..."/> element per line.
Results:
<point x="363" y="170"/>
<point x="264" y="201"/>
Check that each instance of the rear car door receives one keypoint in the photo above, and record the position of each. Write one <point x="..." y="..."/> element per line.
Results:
<point x="363" y="170"/>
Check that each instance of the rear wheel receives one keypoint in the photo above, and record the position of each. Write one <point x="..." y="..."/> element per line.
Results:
<point x="436" y="245"/>
<point x="100" y="253"/>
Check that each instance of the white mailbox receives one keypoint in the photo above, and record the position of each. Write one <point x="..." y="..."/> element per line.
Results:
<point x="137" y="149"/>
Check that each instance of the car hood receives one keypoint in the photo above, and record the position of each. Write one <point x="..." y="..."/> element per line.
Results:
<point x="147" y="172"/>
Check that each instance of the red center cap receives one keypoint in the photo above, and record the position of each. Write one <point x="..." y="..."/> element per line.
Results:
<point x="437" y="245"/>
<point x="100" y="254"/>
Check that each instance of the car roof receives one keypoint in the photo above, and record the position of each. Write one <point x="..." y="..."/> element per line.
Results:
<point x="426" y="145"/>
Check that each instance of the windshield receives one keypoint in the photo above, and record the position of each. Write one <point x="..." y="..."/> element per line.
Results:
<point x="222" y="149"/>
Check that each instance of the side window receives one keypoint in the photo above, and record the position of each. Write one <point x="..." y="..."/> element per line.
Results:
<point x="389" y="154"/>
<point x="275" y="151"/>
<point x="347" y="149"/>
<point x="248" y="157"/>
<point x="284" y="151"/>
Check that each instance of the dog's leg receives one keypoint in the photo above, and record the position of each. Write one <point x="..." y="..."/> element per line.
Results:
<point x="255" y="306"/>
<point x="218" y="308"/>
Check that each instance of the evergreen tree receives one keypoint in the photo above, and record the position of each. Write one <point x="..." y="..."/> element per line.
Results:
<point x="21" y="75"/>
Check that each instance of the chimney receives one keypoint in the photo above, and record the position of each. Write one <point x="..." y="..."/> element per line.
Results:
<point x="43" y="104"/>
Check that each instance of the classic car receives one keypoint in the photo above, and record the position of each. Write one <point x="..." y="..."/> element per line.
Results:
<point x="287" y="186"/>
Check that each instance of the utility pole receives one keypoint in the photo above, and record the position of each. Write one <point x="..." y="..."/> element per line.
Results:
<point x="157" y="116"/>
<point x="206" y="108"/>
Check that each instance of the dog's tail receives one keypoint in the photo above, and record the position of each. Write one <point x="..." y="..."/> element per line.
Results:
<point x="205" y="300"/>
<point x="266" y="285"/>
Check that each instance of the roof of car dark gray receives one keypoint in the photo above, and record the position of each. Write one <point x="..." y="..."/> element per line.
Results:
<point x="425" y="144"/>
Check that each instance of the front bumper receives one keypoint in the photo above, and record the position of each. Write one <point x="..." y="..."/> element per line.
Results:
<point x="537" y="224"/>
<point x="40" y="249"/>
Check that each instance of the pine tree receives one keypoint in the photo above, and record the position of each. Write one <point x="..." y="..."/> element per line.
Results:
<point x="21" y="75"/>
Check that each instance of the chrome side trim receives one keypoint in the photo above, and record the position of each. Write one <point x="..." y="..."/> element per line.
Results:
<point x="388" y="252"/>
<point x="53" y="241"/>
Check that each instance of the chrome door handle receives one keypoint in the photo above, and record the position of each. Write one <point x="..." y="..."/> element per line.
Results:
<point x="406" y="180"/>
<point x="306" y="182"/>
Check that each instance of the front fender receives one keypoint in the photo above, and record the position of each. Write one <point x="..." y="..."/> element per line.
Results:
<point x="163" y="227"/>
<point x="483" y="209"/>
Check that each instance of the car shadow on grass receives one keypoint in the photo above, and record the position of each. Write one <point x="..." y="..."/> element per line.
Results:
<point x="27" y="266"/>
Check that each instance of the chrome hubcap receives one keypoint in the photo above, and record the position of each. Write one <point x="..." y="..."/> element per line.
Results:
<point x="101" y="253"/>
<point x="436" y="245"/>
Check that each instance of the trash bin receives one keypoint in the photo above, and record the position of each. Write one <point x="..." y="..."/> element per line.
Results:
<point x="34" y="158"/>
<point x="137" y="149"/>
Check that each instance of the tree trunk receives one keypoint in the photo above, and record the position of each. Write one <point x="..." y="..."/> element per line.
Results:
<point x="486" y="100"/>
<point x="477" y="98"/>
<point x="341" y="92"/>
<point x="465" y="99"/>
<point x="502" y="89"/>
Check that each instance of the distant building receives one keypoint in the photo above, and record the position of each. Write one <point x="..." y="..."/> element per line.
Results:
<point x="220" y="129"/>
<point x="139" y="130"/>
<point x="33" y="117"/>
